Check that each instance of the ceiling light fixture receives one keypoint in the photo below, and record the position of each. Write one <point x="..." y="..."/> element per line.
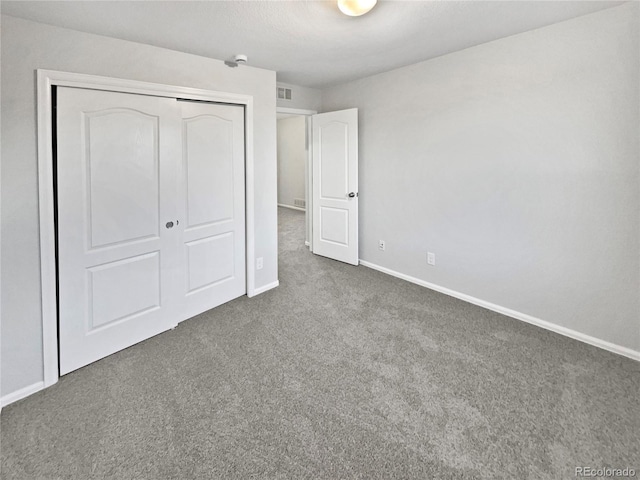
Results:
<point x="355" y="8"/>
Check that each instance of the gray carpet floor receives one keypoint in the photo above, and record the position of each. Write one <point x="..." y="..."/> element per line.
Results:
<point x="340" y="373"/>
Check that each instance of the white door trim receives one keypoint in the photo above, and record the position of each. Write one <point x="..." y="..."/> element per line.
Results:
<point x="50" y="78"/>
<point x="308" y="180"/>
<point x="295" y="111"/>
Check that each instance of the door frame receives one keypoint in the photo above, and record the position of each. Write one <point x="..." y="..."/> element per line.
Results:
<point x="308" y="180"/>
<point x="46" y="79"/>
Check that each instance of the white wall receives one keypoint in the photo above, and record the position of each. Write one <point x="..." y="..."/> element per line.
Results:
<point x="303" y="98"/>
<point x="27" y="46"/>
<point x="516" y="162"/>
<point x="292" y="156"/>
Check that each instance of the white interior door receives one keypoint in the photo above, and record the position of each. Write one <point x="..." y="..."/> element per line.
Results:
<point x="213" y="202"/>
<point x="335" y="185"/>
<point x="151" y="216"/>
<point x="117" y="261"/>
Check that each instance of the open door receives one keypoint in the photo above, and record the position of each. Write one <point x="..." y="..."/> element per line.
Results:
<point x="335" y="185"/>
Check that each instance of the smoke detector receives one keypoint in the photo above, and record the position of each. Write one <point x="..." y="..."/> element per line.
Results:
<point x="237" y="60"/>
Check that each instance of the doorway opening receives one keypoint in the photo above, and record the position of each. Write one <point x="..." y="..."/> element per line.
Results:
<point x="326" y="144"/>
<point x="294" y="163"/>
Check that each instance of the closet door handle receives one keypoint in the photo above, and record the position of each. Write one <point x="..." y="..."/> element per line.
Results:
<point x="169" y="224"/>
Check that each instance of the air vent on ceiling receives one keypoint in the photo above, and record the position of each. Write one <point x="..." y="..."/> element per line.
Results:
<point x="284" y="93"/>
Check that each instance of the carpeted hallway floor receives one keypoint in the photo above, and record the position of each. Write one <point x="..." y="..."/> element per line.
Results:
<point x="340" y="373"/>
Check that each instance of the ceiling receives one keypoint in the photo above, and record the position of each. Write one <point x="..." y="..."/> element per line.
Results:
<point x="307" y="43"/>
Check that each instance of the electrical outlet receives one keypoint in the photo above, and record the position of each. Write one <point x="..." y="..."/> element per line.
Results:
<point x="381" y="245"/>
<point x="259" y="263"/>
<point x="431" y="258"/>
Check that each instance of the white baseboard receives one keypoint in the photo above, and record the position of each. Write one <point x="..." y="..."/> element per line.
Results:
<point x="567" y="332"/>
<point x="20" y="394"/>
<point x="265" y="288"/>
<point x="292" y="207"/>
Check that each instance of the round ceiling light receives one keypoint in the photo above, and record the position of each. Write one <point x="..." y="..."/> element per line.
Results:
<point x="355" y="8"/>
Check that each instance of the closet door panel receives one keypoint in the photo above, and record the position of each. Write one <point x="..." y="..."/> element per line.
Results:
<point x="213" y="198"/>
<point x="208" y="150"/>
<point x="116" y="174"/>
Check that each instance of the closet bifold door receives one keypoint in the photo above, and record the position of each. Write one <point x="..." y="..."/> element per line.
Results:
<point x="119" y="266"/>
<point x="212" y="199"/>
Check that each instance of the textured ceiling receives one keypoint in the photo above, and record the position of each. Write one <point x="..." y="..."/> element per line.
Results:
<point x="308" y="43"/>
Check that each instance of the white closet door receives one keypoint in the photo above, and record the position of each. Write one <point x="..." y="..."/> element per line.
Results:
<point x="213" y="201"/>
<point x="335" y="185"/>
<point x="117" y="190"/>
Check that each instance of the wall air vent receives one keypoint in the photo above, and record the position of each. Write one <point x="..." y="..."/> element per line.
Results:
<point x="299" y="202"/>
<point x="284" y="93"/>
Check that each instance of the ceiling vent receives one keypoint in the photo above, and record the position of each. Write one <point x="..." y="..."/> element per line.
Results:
<point x="284" y="93"/>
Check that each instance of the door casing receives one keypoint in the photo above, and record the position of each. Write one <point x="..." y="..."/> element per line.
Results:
<point x="46" y="80"/>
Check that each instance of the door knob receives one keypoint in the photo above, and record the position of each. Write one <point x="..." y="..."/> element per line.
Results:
<point x="169" y="224"/>
<point x="352" y="194"/>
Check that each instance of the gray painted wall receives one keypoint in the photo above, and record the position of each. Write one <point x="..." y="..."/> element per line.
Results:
<point x="292" y="156"/>
<point x="303" y="98"/>
<point x="27" y="46"/>
<point x="516" y="163"/>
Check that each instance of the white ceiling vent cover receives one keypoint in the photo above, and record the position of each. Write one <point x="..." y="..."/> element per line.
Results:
<point x="284" y="93"/>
